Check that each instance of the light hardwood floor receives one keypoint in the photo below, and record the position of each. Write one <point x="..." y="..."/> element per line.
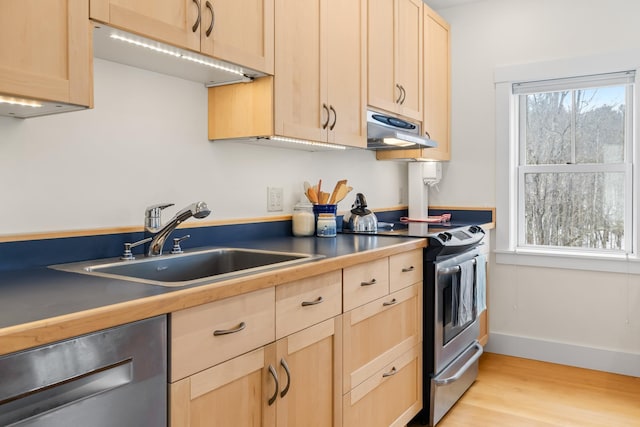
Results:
<point x="515" y="392"/>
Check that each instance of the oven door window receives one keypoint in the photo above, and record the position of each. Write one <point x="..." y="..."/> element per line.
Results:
<point x="451" y="293"/>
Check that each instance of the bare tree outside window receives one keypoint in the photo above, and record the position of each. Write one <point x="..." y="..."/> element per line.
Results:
<point x="572" y="167"/>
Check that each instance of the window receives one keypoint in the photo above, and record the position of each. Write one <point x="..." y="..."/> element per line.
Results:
<point x="574" y="175"/>
<point x="566" y="153"/>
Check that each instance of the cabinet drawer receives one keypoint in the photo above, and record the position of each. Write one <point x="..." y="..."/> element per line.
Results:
<point x="377" y="333"/>
<point x="405" y="269"/>
<point x="391" y="397"/>
<point x="365" y="282"/>
<point x="208" y="334"/>
<point x="306" y="302"/>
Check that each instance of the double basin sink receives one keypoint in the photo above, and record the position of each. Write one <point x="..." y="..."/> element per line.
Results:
<point x="190" y="267"/>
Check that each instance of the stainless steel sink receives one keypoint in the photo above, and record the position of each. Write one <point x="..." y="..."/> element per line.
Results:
<point x="190" y="267"/>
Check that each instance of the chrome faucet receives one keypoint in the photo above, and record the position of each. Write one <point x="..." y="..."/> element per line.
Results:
<point x="158" y="233"/>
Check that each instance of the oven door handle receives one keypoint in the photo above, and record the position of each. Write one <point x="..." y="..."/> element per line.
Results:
<point x="463" y="369"/>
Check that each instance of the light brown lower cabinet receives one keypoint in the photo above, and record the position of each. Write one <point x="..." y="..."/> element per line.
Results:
<point x="292" y="382"/>
<point x="389" y="398"/>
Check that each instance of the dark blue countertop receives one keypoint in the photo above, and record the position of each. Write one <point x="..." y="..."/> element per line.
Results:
<point x="39" y="293"/>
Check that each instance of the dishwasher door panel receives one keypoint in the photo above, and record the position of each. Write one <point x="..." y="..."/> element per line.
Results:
<point x="112" y="377"/>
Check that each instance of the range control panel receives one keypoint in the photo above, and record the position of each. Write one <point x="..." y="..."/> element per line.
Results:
<point x="455" y="240"/>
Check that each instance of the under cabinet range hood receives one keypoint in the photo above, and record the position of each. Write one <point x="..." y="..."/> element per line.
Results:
<point x="386" y="132"/>
<point x="130" y="49"/>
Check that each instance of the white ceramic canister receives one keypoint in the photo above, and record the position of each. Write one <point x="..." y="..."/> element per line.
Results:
<point x="326" y="225"/>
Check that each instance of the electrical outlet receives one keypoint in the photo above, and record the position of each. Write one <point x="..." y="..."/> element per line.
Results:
<point x="274" y="199"/>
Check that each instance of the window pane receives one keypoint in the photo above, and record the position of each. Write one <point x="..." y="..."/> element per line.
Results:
<point x="579" y="210"/>
<point x="548" y="128"/>
<point x="600" y="118"/>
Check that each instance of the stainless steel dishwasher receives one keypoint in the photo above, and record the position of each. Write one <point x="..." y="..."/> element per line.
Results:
<point x="113" y="377"/>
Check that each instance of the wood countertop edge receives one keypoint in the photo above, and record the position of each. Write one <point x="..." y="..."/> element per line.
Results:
<point x="33" y="334"/>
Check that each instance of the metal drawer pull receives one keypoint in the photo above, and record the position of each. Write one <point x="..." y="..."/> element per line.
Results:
<point x="273" y="373"/>
<point x="463" y="369"/>
<point x="213" y="18"/>
<point x="393" y="301"/>
<point x="197" y="23"/>
<point x="283" y="363"/>
<point x="317" y="301"/>
<point x="404" y="94"/>
<point x="391" y="373"/>
<point x="369" y="283"/>
<point x="408" y="269"/>
<point x="240" y="327"/>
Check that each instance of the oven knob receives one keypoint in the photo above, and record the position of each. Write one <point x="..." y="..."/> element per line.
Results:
<point x="445" y="237"/>
<point x="475" y="229"/>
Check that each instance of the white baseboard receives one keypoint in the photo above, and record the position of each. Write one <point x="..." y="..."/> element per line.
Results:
<point x="565" y="354"/>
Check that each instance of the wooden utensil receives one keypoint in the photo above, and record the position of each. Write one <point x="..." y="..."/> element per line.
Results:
<point x="334" y="196"/>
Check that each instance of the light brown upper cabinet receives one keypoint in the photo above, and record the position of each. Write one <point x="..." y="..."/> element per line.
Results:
<point x="395" y="56"/>
<point x="437" y="92"/>
<point x="45" y="53"/>
<point x="238" y="31"/>
<point x="320" y="70"/>
<point x="437" y="85"/>
<point x="318" y="92"/>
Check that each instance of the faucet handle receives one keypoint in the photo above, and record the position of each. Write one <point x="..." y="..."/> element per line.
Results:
<point x="176" y="244"/>
<point x="152" y="216"/>
<point x="154" y="210"/>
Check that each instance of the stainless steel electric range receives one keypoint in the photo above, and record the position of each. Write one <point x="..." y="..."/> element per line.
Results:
<point x="451" y="327"/>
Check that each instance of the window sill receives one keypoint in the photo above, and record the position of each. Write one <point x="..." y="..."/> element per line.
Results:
<point x="593" y="262"/>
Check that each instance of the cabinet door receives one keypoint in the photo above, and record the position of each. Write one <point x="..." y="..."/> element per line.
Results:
<point x="239" y="31"/>
<point x="301" y="106"/>
<point x="176" y="22"/>
<point x="437" y="87"/>
<point x="234" y="393"/>
<point x="45" y="51"/>
<point x="309" y="373"/>
<point x="409" y="57"/>
<point x="346" y="75"/>
<point x="382" y="91"/>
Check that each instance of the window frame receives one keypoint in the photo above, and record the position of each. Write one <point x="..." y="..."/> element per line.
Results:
<point x="508" y="182"/>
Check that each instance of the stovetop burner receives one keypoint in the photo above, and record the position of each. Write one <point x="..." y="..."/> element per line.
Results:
<point x="443" y="239"/>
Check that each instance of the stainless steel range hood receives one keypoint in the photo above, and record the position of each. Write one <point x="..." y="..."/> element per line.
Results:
<point x="386" y="132"/>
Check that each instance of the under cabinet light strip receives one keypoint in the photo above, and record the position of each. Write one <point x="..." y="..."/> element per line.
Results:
<point x="20" y="102"/>
<point x="177" y="54"/>
<point x="305" y="142"/>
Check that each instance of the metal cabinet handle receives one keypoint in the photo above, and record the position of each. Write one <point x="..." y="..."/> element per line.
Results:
<point x="335" y="117"/>
<point x="400" y="96"/>
<point x="209" y="6"/>
<point x="408" y="269"/>
<point x="219" y="332"/>
<point x="427" y="133"/>
<point x="273" y="373"/>
<point x="369" y="283"/>
<point x="325" y="108"/>
<point x="391" y="373"/>
<point x="284" y="365"/>
<point x="314" y="302"/>
<point x="404" y="94"/>
<point x="388" y="303"/>
<point x="197" y="23"/>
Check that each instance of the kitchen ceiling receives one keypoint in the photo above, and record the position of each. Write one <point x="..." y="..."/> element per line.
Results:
<point x="444" y="4"/>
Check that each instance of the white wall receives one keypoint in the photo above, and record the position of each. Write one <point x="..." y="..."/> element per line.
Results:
<point x="576" y="317"/>
<point x="145" y="142"/>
